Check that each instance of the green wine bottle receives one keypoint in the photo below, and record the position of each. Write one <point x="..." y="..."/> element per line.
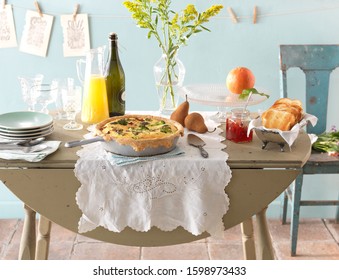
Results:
<point x="115" y="80"/>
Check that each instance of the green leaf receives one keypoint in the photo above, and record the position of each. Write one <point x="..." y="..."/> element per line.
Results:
<point x="149" y="34"/>
<point x="122" y="122"/>
<point x="246" y="92"/>
<point x="203" y="27"/>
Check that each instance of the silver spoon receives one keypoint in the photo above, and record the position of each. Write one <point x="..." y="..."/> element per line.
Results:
<point x="248" y="101"/>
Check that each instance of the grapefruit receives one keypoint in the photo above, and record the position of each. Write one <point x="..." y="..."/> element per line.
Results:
<point x="240" y="78"/>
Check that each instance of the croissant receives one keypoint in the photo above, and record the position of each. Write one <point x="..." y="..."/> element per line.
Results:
<point x="283" y="114"/>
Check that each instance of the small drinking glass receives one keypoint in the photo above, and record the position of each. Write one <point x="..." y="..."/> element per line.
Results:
<point x="63" y="84"/>
<point x="71" y="100"/>
<point x="45" y="94"/>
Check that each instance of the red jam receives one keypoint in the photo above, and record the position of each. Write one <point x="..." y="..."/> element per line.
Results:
<point x="236" y="127"/>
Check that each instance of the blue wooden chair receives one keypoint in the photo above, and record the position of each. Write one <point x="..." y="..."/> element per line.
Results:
<point x="317" y="62"/>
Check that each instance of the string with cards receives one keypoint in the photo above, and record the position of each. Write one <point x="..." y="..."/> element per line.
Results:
<point x="253" y="14"/>
<point x="38" y="27"/>
<point x="76" y="29"/>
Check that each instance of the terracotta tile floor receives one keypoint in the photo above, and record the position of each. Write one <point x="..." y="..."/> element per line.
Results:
<point x="318" y="239"/>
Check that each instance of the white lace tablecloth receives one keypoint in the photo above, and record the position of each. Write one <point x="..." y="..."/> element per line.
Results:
<point x="166" y="192"/>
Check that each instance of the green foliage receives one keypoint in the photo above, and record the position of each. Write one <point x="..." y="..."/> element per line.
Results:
<point x="327" y="142"/>
<point x="246" y="92"/>
<point x="171" y="29"/>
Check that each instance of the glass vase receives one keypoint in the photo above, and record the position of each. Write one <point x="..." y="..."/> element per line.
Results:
<point x="169" y="74"/>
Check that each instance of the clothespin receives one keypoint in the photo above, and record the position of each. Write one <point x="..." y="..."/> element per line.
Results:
<point x="3" y="4"/>
<point x="75" y="11"/>
<point x="232" y="15"/>
<point x="36" y="4"/>
<point x="255" y="15"/>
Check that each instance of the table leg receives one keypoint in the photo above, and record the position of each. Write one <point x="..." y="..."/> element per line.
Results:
<point x="265" y="248"/>
<point x="28" y="238"/>
<point x="42" y="246"/>
<point x="248" y="239"/>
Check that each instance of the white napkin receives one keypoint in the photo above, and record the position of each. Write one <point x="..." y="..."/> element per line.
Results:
<point x="313" y="138"/>
<point x="288" y="136"/>
<point x="124" y="160"/>
<point x="19" y="154"/>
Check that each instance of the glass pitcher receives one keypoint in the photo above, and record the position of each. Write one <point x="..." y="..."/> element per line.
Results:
<point x="94" y="104"/>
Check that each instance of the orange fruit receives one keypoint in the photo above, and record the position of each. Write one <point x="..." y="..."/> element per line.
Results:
<point x="240" y="78"/>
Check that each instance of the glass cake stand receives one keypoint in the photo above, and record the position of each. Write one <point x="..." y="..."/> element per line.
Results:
<point x="219" y="96"/>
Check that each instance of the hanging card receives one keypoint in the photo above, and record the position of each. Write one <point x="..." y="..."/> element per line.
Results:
<point x="76" y="34"/>
<point x="36" y="34"/>
<point x="7" y="28"/>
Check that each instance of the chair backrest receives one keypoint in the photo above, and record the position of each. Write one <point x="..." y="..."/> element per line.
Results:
<point x="317" y="62"/>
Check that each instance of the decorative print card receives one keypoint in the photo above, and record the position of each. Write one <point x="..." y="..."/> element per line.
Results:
<point x="36" y="34"/>
<point x="7" y="28"/>
<point x="76" y="34"/>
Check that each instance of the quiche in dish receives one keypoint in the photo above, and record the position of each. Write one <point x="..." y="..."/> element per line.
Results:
<point x="141" y="132"/>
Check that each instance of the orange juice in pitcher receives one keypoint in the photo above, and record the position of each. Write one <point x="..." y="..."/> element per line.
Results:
<point x="94" y="103"/>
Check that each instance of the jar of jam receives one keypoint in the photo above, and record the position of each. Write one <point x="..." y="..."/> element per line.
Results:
<point x="237" y="125"/>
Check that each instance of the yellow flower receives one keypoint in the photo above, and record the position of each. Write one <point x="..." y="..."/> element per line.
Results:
<point x="171" y="29"/>
<point x="174" y="22"/>
<point x="189" y="14"/>
<point x="190" y="10"/>
<point x="210" y="12"/>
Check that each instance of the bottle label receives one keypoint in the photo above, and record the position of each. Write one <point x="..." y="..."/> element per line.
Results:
<point x="123" y="96"/>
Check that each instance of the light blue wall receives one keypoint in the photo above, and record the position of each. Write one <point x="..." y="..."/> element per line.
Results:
<point x="208" y="58"/>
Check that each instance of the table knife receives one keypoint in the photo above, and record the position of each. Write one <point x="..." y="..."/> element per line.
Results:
<point x="196" y="141"/>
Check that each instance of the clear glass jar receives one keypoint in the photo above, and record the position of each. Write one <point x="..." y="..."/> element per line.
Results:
<point x="237" y="125"/>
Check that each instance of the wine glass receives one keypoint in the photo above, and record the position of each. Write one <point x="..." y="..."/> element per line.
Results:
<point x="71" y="100"/>
<point x="27" y="88"/>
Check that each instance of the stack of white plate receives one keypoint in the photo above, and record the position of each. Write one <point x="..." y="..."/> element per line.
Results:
<point x="25" y="125"/>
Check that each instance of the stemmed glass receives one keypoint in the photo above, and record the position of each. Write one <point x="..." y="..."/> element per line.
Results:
<point x="71" y="100"/>
<point x="27" y="87"/>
